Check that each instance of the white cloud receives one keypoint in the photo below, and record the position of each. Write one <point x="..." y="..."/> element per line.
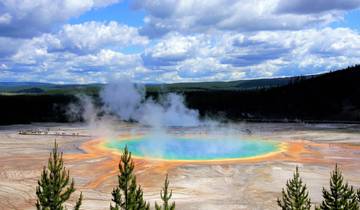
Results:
<point x="316" y="6"/>
<point x="5" y="19"/>
<point x="237" y="41"/>
<point x="194" y="16"/>
<point x="89" y="37"/>
<point x="184" y="58"/>
<point x="230" y="55"/>
<point x="108" y="59"/>
<point x="95" y="35"/>
<point x="174" y="48"/>
<point x="26" y="18"/>
<point x="9" y="46"/>
<point x="3" y="66"/>
<point x="84" y="52"/>
<point x="67" y="67"/>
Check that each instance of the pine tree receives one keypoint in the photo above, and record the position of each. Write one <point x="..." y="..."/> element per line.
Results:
<point x="358" y="195"/>
<point x="54" y="187"/>
<point x="341" y="196"/>
<point x="296" y="195"/>
<point x="127" y="195"/>
<point x="165" y="197"/>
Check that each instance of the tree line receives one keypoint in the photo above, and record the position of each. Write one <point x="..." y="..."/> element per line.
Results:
<point x="332" y="97"/>
<point x="55" y="188"/>
<point x="329" y="97"/>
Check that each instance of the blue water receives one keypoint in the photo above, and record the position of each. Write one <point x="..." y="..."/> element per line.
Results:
<point x="183" y="148"/>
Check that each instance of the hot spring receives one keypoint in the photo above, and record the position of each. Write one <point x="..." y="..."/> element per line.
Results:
<point x="195" y="148"/>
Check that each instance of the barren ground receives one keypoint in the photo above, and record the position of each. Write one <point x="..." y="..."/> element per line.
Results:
<point x="224" y="185"/>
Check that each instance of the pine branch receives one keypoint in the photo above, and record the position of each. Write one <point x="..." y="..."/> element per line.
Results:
<point x="296" y="195"/>
<point x="53" y="188"/>
<point x="340" y="196"/>
<point x="79" y="202"/>
<point x="165" y="196"/>
<point x="127" y="195"/>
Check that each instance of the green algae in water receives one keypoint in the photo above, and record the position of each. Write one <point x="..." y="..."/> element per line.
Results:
<point x="192" y="148"/>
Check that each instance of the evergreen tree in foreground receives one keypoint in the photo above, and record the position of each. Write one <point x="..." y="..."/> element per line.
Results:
<point x="127" y="195"/>
<point x="341" y="196"/>
<point x="165" y="197"/>
<point x="55" y="187"/>
<point x="296" y="196"/>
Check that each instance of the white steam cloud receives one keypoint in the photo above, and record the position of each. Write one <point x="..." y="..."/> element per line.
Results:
<point x="128" y="102"/>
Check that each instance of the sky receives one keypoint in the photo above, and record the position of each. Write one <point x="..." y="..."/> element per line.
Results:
<point x="167" y="41"/>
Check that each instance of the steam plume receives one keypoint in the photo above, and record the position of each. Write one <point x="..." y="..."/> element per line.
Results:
<point x="128" y="102"/>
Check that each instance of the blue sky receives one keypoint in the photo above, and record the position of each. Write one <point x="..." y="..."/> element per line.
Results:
<point x="166" y="41"/>
<point x="120" y="12"/>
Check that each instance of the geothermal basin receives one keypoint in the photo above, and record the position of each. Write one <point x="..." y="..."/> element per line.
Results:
<point x="204" y="171"/>
<point x="195" y="148"/>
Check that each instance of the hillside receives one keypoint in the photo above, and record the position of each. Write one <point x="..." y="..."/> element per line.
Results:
<point x="48" y="88"/>
<point x="330" y="97"/>
<point x="214" y="86"/>
<point x="333" y="96"/>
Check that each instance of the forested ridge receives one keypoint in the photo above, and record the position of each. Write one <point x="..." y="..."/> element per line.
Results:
<point x="329" y="97"/>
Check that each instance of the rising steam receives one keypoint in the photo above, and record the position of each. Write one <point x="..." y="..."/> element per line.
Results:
<point x="127" y="101"/>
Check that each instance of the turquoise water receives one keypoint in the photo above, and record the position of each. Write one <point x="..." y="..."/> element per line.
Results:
<point x="184" y="148"/>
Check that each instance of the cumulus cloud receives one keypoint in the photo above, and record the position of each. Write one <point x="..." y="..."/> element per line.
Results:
<point x="229" y="15"/>
<point x="94" y="35"/>
<point x="27" y="18"/>
<point x="86" y="38"/>
<point x="173" y="49"/>
<point x="9" y="46"/>
<point x="87" y="52"/>
<point x="184" y="58"/>
<point x="189" y="41"/>
<point x="315" y="6"/>
<point x="5" y="19"/>
<point x="68" y="67"/>
<point x="243" y="55"/>
<point x="242" y="51"/>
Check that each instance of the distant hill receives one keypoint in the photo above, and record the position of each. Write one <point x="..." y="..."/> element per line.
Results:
<point x="329" y="97"/>
<point x="333" y="96"/>
<point x="48" y="88"/>
<point x="31" y="90"/>
<point x="12" y="87"/>
<point x="22" y="84"/>
<point x="213" y="86"/>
